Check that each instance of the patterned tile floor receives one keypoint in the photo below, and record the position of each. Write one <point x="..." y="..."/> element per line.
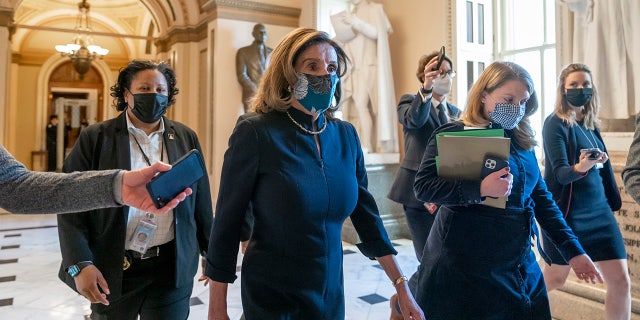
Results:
<point x="30" y="289"/>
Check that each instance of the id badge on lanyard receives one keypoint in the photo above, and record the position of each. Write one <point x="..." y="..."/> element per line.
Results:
<point x="141" y="238"/>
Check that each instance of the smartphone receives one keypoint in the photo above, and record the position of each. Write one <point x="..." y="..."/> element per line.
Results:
<point x="184" y="172"/>
<point x="440" y="58"/>
<point x="492" y="163"/>
<point x="594" y="153"/>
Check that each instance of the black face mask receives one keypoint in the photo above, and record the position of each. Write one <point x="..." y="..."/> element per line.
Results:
<point x="149" y="107"/>
<point x="578" y="97"/>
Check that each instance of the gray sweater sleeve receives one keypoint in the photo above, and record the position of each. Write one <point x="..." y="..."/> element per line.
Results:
<point x="631" y="172"/>
<point x="25" y="191"/>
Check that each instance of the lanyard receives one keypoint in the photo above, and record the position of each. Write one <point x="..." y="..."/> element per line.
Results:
<point x="144" y="154"/>
<point x="595" y="142"/>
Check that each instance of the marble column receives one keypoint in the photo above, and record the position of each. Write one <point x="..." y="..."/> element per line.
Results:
<point x="6" y="16"/>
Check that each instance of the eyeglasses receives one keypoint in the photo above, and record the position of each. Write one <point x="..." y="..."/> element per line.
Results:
<point x="451" y="74"/>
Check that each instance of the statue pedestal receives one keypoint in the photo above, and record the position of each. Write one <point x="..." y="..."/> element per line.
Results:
<point x="381" y="171"/>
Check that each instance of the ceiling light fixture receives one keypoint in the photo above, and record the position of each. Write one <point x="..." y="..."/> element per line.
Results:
<point x="82" y="51"/>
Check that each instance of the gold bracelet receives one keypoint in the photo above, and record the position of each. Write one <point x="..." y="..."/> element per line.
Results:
<point x="400" y="280"/>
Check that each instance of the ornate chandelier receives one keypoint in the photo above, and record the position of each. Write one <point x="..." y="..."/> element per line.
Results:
<point x="82" y="51"/>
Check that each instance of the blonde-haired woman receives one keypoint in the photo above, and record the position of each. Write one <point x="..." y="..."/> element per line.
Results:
<point x="584" y="187"/>
<point x="478" y="262"/>
<point x="303" y="172"/>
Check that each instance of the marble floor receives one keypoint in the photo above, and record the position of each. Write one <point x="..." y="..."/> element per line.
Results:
<point x="30" y="289"/>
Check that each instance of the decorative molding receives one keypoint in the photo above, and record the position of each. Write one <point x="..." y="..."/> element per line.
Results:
<point x="6" y="17"/>
<point x="450" y="29"/>
<point x="34" y="58"/>
<point x="252" y="11"/>
<point x="185" y="12"/>
<point x="314" y="14"/>
<point x="178" y="35"/>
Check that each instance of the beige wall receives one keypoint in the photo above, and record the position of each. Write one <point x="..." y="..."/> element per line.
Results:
<point x="419" y="27"/>
<point x="230" y="35"/>
<point x="21" y="136"/>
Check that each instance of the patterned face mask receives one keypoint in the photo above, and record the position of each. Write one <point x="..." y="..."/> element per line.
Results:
<point x="315" y="93"/>
<point x="508" y="115"/>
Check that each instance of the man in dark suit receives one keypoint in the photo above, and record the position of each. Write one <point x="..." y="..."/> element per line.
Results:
<point x="420" y="114"/>
<point x="101" y="255"/>
<point x="251" y="61"/>
<point x="52" y="141"/>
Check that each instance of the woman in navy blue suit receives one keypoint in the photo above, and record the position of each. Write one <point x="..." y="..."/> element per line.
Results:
<point x="478" y="262"/>
<point x="303" y="172"/>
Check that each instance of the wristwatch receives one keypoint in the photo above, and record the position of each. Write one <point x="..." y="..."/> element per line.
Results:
<point x="425" y="91"/>
<point x="74" y="270"/>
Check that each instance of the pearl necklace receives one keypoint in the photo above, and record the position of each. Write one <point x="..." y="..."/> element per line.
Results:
<point x="305" y="130"/>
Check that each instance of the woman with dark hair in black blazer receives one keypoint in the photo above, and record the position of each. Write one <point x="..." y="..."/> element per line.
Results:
<point x="102" y="256"/>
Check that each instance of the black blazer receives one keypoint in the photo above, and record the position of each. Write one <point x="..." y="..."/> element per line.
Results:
<point x="418" y="123"/>
<point x="99" y="235"/>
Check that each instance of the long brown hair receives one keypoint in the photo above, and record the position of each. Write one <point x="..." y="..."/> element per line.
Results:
<point x="492" y="78"/>
<point x="274" y="91"/>
<point x="564" y="111"/>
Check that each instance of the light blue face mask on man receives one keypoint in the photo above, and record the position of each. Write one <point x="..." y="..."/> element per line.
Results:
<point x="315" y="93"/>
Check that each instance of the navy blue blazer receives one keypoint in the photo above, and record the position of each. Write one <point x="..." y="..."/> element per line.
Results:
<point x="99" y="235"/>
<point x="301" y="198"/>
<point x="418" y="123"/>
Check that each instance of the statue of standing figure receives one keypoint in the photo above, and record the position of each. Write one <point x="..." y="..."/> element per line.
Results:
<point x="369" y="95"/>
<point x="251" y="61"/>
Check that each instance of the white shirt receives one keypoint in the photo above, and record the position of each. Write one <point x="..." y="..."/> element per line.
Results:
<point x="435" y="103"/>
<point x="152" y="145"/>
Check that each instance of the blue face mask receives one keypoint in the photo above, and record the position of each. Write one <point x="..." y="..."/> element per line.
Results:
<point x="507" y="115"/>
<point x="315" y="93"/>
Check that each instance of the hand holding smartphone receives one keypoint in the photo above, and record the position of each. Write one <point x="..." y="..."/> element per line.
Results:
<point x="593" y="153"/>
<point x="184" y="173"/>
<point x="492" y="163"/>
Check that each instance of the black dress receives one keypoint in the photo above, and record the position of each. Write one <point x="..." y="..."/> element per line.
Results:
<point x="590" y="215"/>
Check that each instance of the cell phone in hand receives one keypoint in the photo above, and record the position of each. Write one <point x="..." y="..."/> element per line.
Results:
<point x="440" y="58"/>
<point x="593" y="153"/>
<point x="492" y="163"/>
<point x="168" y="184"/>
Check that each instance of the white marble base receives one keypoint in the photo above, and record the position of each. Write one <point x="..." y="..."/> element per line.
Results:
<point x="381" y="158"/>
<point x="617" y="141"/>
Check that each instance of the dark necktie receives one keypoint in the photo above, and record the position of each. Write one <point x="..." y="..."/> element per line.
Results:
<point x="442" y="117"/>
